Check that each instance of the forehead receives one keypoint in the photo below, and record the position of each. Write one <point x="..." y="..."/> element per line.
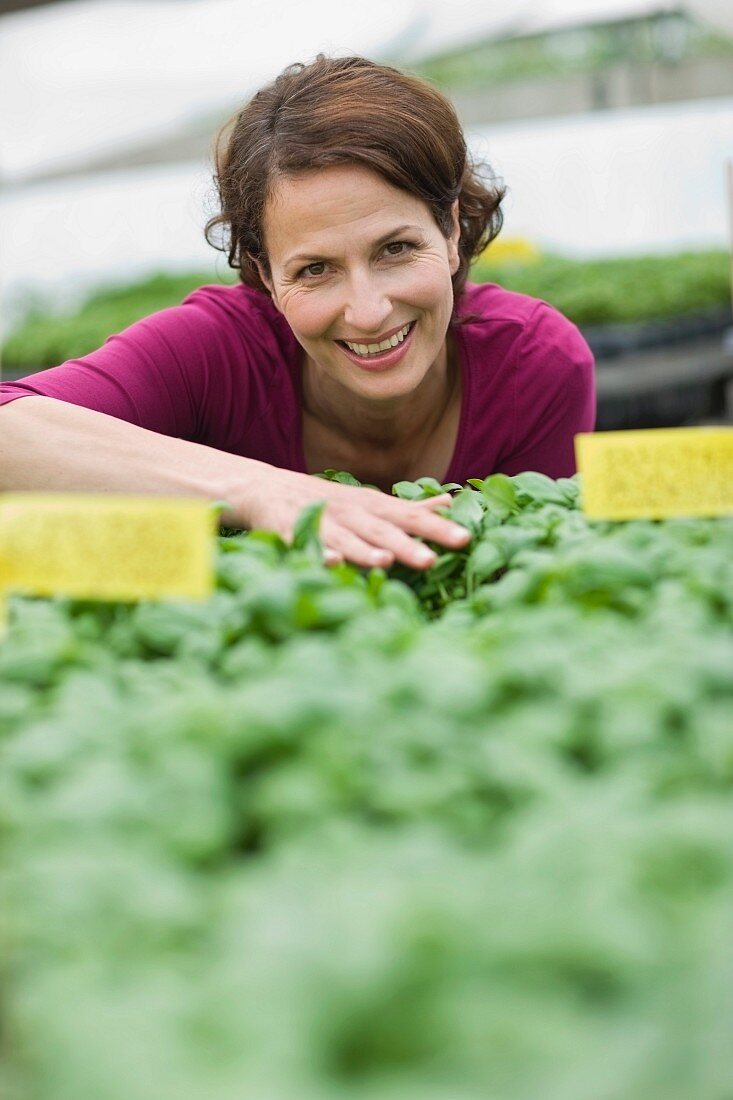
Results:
<point x="320" y="209"/>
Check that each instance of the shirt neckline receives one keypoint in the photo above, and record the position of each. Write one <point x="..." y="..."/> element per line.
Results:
<point x="455" y="463"/>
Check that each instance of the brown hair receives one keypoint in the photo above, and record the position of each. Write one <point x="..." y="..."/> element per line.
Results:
<point x="349" y="110"/>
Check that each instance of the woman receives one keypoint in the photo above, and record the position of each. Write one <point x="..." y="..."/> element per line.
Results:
<point x="352" y="340"/>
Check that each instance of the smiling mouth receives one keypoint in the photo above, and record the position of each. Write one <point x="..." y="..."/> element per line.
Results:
<point x="367" y="350"/>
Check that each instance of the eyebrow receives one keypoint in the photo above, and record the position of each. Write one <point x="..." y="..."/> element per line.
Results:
<point x="312" y="257"/>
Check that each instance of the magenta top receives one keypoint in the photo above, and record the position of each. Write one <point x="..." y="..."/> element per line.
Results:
<point x="223" y="369"/>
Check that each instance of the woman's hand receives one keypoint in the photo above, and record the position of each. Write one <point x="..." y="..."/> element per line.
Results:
<point x="359" y="525"/>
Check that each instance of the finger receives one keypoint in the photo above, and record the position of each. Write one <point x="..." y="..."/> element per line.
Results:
<point x="357" y="550"/>
<point x="388" y="536"/>
<point x="437" y="529"/>
<point x="417" y="519"/>
<point x="392" y="507"/>
<point x="430" y="502"/>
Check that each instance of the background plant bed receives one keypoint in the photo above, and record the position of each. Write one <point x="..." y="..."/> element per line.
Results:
<point x="611" y="341"/>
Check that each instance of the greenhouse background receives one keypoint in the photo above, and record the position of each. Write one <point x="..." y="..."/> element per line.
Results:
<point x="610" y="124"/>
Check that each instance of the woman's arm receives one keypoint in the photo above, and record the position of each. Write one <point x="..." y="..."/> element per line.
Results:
<point x="52" y="445"/>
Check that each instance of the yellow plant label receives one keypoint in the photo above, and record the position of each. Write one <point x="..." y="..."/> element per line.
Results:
<point x="106" y="547"/>
<point x="656" y="473"/>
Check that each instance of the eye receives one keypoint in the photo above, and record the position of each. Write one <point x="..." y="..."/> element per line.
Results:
<point x="401" y="247"/>
<point x="308" y="272"/>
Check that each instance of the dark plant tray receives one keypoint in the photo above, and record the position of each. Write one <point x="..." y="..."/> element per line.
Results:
<point x="612" y="341"/>
<point x="674" y="387"/>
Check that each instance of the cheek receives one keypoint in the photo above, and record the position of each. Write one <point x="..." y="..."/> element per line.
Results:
<point x="430" y="285"/>
<point x="310" y="316"/>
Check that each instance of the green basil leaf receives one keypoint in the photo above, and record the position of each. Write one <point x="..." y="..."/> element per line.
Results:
<point x="307" y="525"/>
<point x="539" y="487"/>
<point x="430" y="486"/>
<point x="408" y="490"/>
<point x="499" y="492"/>
<point x="466" y="510"/>
<point x="485" y="560"/>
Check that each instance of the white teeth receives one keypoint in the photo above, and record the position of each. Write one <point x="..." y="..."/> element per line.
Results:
<point x="374" y="349"/>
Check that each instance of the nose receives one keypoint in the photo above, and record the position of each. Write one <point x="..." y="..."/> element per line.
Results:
<point x="366" y="307"/>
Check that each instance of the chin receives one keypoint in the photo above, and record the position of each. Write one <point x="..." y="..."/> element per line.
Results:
<point x="400" y="377"/>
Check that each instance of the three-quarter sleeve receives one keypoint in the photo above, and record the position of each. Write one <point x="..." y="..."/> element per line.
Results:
<point x="155" y="374"/>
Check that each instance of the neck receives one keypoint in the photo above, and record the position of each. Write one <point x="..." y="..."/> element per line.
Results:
<point x="389" y="424"/>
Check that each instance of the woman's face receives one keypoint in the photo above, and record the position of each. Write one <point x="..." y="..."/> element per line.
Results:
<point x="354" y="259"/>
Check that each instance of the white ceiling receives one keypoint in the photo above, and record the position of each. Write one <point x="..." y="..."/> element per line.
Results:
<point x="88" y="78"/>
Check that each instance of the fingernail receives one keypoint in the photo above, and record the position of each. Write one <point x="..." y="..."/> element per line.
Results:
<point x="458" y="532"/>
<point x="425" y="556"/>
<point x="380" y="557"/>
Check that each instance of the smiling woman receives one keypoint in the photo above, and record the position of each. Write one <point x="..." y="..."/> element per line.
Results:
<point x="350" y="208"/>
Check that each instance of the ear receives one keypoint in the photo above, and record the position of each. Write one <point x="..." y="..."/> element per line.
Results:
<point x="454" y="258"/>
<point x="263" y="276"/>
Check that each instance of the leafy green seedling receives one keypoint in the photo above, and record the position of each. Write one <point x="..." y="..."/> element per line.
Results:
<point x="306" y="534"/>
<point x="466" y="510"/>
<point x="341" y="476"/>
<point x="539" y="488"/>
<point x="501" y="495"/>
<point x="408" y="490"/>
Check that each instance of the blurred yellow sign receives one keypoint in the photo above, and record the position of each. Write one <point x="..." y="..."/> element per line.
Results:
<point x="106" y="547"/>
<point x="656" y="473"/>
<point x="511" y="250"/>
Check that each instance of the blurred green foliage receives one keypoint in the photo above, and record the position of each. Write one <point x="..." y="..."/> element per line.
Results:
<point x="338" y="835"/>
<point x="595" y="292"/>
<point x="45" y="339"/>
